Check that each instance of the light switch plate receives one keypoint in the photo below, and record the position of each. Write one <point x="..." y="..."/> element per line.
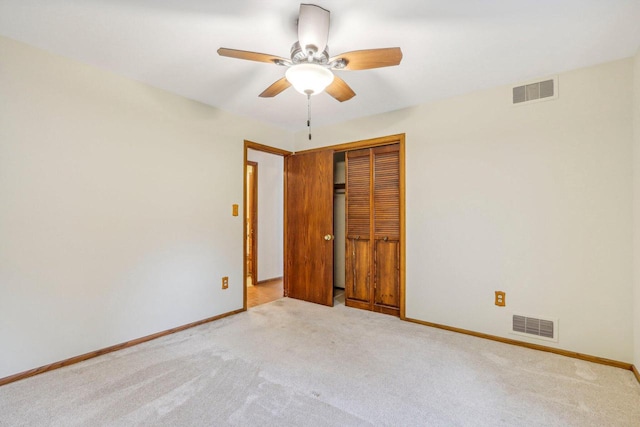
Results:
<point x="235" y="210"/>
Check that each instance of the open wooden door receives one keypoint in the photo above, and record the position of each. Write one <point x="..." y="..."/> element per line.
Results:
<point x="309" y="227"/>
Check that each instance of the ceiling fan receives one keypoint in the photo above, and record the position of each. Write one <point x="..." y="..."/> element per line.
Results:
<point x="309" y="68"/>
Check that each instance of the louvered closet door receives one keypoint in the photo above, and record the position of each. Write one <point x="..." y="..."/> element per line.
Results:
<point x="386" y="225"/>
<point x="358" y="281"/>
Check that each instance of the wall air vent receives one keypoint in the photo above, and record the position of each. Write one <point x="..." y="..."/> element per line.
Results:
<point x="543" y="90"/>
<point x="535" y="327"/>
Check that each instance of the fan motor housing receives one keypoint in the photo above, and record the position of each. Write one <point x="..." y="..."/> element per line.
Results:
<point x="298" y="55"/>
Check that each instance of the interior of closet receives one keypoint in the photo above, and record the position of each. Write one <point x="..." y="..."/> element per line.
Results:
<point x="339" y="220"/>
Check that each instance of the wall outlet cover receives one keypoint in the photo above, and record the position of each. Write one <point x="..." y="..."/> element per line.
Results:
<point x="500" y="299"/>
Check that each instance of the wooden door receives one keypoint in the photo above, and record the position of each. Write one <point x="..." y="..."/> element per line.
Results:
<point x="252" y="222"/>
<point x="309" y="227"/>
<point x="386" y="228"/>
<point x="358" y="281"/>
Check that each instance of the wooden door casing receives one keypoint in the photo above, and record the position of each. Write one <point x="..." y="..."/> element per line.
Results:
<point x="252" y="222"/>
<point x="309" y="218"/>
<point x="249" y="145"/>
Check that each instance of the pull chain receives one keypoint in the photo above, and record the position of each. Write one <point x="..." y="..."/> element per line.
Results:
<point x="309" y="114"/>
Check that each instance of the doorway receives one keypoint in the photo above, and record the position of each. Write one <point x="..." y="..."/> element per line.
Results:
<point x="263" y="223"/>
<point x="251" y="224"/>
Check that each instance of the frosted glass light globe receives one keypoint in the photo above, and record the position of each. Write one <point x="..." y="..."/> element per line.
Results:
<point x="309" y="79"/>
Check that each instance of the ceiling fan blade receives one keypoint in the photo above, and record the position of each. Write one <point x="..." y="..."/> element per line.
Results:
<point x="340" y="90"/>
<point x="276" y="88"/>
<point x="369" y="58"/>
<point x="313" y="29"/>
<point x="253" y="56"/>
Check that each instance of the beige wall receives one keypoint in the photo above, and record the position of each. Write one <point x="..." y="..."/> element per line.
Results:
<point x="533" y="200"/>
<point x="636" y="210"/>
<point x="115" y="208"/>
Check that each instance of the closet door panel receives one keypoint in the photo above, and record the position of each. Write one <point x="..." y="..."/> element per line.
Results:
<point x="358" y="194"/>
<point x="386" y="225"/>
<point x="358" y="265"/>
<point x="358" y="209"/>
<point x="373" y="229"/>
<point x="387" y="280"/>
<point x="386" y="192"/>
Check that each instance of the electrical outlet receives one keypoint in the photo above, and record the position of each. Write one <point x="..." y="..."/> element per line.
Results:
<point x="500" y="299"/>
<point x="225" y="282"/>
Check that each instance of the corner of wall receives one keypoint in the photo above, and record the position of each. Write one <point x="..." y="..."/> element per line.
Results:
<point x="636" y="209"/>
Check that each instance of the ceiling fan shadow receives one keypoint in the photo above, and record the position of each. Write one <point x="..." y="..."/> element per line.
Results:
<point x="244" y="83"/>
<point x="218" y="8"/>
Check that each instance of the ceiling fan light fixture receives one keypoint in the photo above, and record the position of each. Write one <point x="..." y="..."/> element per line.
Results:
<point x="309" y="68"/>
<point x="309" y="79"/>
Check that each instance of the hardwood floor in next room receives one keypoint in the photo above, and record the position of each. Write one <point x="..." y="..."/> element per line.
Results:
<point x="265" y="292"/>
<point x="272" y="290"/>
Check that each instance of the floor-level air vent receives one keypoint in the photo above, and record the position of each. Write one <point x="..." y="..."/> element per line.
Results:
<point x="536" y="91"/>
<point x="546" y="329"/>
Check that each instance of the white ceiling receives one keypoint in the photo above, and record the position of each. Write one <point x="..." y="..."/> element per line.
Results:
<point x="450" y="46"/>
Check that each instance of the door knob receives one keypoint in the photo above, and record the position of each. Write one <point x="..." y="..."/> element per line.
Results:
<point x="328" y="237"/>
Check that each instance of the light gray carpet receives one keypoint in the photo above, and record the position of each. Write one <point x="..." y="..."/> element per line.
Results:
<point x="295" y="363"/>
